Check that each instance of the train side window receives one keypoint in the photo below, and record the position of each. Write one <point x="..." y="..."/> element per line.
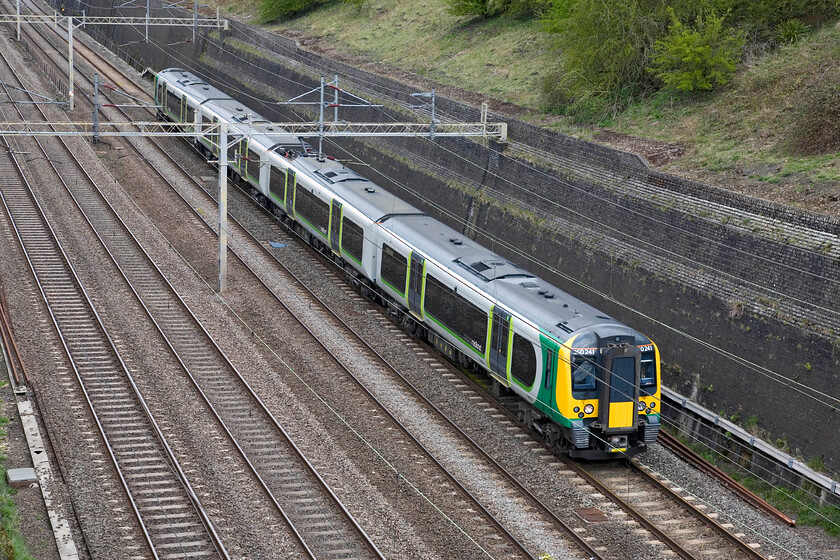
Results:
<point x="394" y="269"/>
<point x="190" y="114"/>
<point x="456" y="314"/>
<point x="159" y="96"/>
<point x="352" y="239"/>
<point x="173" y="103"/>
<point x="277" y="185"/>
<point x="523" y="364"/>
<point x="312" y="209"/>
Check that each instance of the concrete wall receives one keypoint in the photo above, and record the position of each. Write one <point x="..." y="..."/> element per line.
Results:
<point x="573" y="213"/>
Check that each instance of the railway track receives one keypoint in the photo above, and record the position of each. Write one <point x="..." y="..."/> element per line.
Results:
<point x="671" y="517"/>
<point x="705" y="547"/>
<point x="316" y="516"/>
<point x="581" y="542"/>
<point x="166" y="509"/>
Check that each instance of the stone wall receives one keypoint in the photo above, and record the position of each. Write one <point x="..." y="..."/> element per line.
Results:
<point x="577" y="214"/>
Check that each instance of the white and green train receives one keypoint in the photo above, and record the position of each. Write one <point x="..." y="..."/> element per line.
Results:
<point x="588" y="383"/>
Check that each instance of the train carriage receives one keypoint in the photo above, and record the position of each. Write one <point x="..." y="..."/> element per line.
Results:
<point x="588" y="383"/>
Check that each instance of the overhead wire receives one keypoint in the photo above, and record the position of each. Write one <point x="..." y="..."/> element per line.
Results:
<point x="754" y="367"/>
<point x="483" y="232"/>
<point x="603" y="199"/>
<point x="301" y="84"/>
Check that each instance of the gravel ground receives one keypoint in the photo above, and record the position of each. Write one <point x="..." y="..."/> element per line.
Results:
<point x="361" y="480"/>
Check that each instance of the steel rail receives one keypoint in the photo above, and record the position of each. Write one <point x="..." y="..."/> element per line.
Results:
<point x="698" y="461"/>
<point x="156" y="430"/>
<point x="13" y="359"/>
<point x="213" y="408"/>
<point x="738" y="543"/>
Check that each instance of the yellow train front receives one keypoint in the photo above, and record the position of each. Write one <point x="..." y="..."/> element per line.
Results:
<point x="603" y="399"/>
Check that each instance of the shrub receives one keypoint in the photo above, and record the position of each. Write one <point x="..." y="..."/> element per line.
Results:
<point x="791" y="31"/>
<point x="699" y="58"/>
<point x="489" y="8"/>
<point x="482" y="8"/>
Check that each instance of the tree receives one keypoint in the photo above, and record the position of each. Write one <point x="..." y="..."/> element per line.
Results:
<point x="603" y="45"/>
<point x="698" y="58"/>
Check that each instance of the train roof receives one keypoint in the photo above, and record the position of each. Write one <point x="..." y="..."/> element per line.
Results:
<point x="230" y="110"/>
<point x="549" y="308"/>
<point x="367" y="197"/>
<point x="514" y="287"/>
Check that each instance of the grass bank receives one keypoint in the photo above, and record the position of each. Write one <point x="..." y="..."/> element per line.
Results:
<point x="741" y="138"/>
<point x="12" y="545"/>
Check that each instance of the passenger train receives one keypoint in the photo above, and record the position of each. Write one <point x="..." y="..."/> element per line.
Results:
<point x="588" y="383"/>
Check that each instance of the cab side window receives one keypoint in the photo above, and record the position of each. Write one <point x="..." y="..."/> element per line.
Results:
<point x="584" y="376"/>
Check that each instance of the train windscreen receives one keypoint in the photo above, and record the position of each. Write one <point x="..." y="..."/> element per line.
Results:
<point x="623" y="379"/>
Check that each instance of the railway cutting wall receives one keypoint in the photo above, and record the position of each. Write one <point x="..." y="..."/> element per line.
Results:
<point x="599" y="223"/>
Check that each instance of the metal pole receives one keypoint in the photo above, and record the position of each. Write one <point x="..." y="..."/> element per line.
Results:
<point x="335" y="114"/>
<point x="432" y="128"/>
<point x="195" y="18"/>
<point x="17" y="15"/>
<point x="70" y="93"/>
<point x="95" y="108"/>
<point x="147" y="20"/>
<point x="321" y="123"/>
<point x="223" y="163"/>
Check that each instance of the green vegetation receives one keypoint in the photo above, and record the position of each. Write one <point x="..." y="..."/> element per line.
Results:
<point x="798" y="504"/>
<point x="698" y="58"/>
<point x="11" y="543"/>
<point x="770" y="129"/>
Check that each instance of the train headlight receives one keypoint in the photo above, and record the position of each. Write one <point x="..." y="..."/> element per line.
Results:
<point x="577" y="409"/>
<point x="641" y="406"/>
<point x="652" y="404"/>
<point x="589" y="409"/>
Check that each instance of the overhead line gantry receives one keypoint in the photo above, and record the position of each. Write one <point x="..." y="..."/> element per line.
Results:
<point x="194" y="22"/>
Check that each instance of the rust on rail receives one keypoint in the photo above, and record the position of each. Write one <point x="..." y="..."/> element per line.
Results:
<point x="681" y="449"/>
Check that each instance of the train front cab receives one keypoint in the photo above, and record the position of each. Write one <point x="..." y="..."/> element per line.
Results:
<point x="608" y="388"/>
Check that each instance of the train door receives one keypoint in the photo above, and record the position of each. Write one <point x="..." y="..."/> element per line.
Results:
<point x="291" y="181"/>
<point x="499" y="336"/>
<point x="620" y="388"/>
<point x="550" y="375"/>
<point x="415" y="283"/>
<point x="335" y="227"/>
<point x="160" y="95"/>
